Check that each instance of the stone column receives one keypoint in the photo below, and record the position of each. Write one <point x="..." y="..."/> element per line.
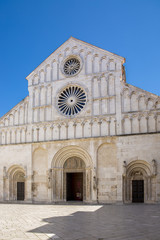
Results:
<point x="53" y="197"/>
<point x="20" y="135"/>
<point x="147" y="118"/>
<point x="108" y="122"/>
<point x="83" y="123"/>
<point x="100" y="123"/>
<point x="94" y="185"/>
<point x="25" y="132"/>
<point x="115" y="125"/>
<point x="149" y="188"/>
<point x="52" y="131"/>
<point x="88" y="184"/>
<point x="74" y="125"/>
<point x="124" y="182"/>
<point x="49" y="184"/>
<point x="139" y="119"/>
<point x="131" y="122"/>
<point x="44" y="130"/>
<point x="91" y="124"/>
<point x="32" y="135"/>
<point x="66" y="130"/>
<point x="59" y="184"/>
<point x="59" y="131"/>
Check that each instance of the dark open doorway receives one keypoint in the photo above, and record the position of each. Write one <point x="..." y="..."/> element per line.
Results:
<point x="20" y="191"/>
<point x="138" y="191"/>
<point x="74" y="186"/>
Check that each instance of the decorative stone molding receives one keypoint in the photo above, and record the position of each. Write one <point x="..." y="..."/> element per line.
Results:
<point x="63" y="154"/>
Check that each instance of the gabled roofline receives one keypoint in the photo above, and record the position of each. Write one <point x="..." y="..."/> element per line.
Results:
<point x="83" y="42"/>
<point x="7" y="113"/>
<point x="153" y="94"/>
<point x="101" y="49"/>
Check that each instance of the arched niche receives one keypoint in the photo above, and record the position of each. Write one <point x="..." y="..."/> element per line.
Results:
<point x="43" y="96"/>
<point x="42" y="75"/>
<point x="111" y="85"/>
<point x="89" y="63"/>
<point x="150" y="104"/>
<point x="126" y="100"/>
<point x="11" y="120"/>
<point x="96" y="64"/>
<point x="48" y="73"/>
<point x="54" y="70"/>
<point x="134" y="102"/>
<point x="142" y="103"/>
<point x="127" y="125"/>
<point x="103" y="64"/>
<point x="36" y="97"/>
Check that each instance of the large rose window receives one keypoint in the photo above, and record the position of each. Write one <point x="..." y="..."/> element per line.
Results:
<point x="71" y="100"/>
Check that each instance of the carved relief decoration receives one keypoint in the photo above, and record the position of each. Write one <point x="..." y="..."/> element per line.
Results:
<point x="74" y="163"/>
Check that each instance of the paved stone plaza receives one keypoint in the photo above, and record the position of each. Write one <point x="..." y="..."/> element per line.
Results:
<point x="81" y="222"/>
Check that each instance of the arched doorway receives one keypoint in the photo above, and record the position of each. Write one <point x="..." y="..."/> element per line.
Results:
<point x="19" y="186"/>
<point x="137" y="186"/>
<point x="16" y="183"/>
<point x="138" y="182"/>
<point x="74" y="179"/>
<point x="71" y="163"/>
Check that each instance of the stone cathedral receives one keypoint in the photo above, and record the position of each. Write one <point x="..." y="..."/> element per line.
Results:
<point x="82" y="133"/>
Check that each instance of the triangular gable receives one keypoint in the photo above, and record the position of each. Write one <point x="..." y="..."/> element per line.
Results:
<point x="71" y="40"/>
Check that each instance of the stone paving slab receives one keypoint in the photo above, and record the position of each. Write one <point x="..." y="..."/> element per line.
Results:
<point x="79" y="222"/>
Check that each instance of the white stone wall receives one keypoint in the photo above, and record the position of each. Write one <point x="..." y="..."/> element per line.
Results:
<point x="106" y="159"/>
<point x="140" y="111"/>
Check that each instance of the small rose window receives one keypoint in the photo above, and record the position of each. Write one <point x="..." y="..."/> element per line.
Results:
<point x="71" y="66"/>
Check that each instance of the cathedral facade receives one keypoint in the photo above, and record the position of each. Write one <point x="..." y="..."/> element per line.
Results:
<point x="82" y="133"/>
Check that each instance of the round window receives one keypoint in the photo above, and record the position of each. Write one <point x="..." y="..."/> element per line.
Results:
<point x="71" y="66"/>
<point x="71" y="100"/>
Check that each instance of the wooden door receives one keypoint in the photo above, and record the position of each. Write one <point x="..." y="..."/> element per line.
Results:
<point x="74" y="186"/>
<point x="138" y="191"/>
<point x="20" y="191"/>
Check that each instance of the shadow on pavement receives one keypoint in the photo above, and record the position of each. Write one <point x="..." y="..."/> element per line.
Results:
<point x="109" y="222"/>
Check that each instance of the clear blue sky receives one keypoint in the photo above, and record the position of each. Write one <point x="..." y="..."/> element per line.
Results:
<point x="30" y="30"/>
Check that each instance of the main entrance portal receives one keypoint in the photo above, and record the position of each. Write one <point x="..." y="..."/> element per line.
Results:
<point x="75" y="186"/>
<point x="74" y="175"/>
<point x="137" y="191"/>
